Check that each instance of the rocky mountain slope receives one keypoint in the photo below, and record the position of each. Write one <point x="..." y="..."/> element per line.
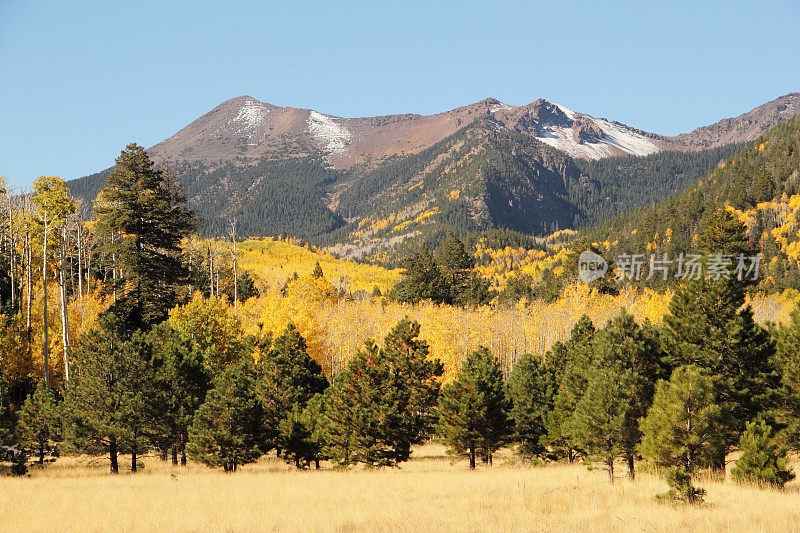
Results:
<point x="365" y="182"/>
<point x="245" y="129"/>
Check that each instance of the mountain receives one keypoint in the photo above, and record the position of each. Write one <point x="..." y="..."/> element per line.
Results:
<point x="482" y="166"/>
<point x="759" y="184"/>
<point x="245" y="128"/>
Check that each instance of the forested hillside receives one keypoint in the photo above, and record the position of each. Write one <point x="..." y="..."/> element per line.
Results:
<point x="759" y="185"/>
<point x="627" y="182"/>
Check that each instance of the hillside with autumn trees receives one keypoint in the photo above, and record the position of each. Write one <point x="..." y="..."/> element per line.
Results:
<point x="128" y="336"/>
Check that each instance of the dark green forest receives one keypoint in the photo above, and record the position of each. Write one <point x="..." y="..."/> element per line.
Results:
<point x="505" y="180"/>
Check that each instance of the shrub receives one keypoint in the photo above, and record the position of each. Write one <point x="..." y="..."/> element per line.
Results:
<point x="763" y="460"/>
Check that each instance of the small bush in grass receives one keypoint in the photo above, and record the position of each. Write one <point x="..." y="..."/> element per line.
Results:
<point x="680" y="488"/>
<point x="763" y="460"/>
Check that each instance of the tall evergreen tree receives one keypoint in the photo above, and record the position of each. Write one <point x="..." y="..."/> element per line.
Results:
<point x="684" y="427"/>
<point x="422" y="280"/>
<point x="141" y="219"/>
<point x="709" y="325"/>
<point x="634" y="354"/>
<point x="301" y="433"/>
<point x="473" y="409"/>
<point x="106" y="402"/>
<point x="227" y="430"/>
<point x="572" y="361"/>
<point x="532" y="388"/>
<point x="181" y="381"/>
<point x="464" y="286"/>
<point x="287" y="375"/>
<point x="787" y="361"/>
<point x="384" y="401"/>
<point x="599" y="423"/>
<point x="723" y="233"/>
<point x="40" y="421"/>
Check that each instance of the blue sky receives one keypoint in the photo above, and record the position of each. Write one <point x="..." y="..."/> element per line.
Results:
<point x="79" y="80"/>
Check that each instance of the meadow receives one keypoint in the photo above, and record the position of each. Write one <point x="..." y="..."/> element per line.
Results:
<point x="428" y="493"/>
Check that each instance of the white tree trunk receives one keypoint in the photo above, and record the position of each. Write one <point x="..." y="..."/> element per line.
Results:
<point x="64" y="309"/>
<point x="45" y="345"/>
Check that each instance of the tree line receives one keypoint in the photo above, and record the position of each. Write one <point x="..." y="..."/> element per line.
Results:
<point x="161" y="373"/>
<point x="134" y="248"/>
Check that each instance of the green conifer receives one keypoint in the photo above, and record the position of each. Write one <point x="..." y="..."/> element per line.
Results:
<point x="473" y="409"/>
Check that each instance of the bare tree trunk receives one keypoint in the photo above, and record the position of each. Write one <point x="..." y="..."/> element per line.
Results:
<point x="88" y="256"/>
<point x="112" y="453"/>
<point x="13" y="265"/>
<point x="64" y="309"/>
<point x="45" y="347"/>
<point x="210" y="271"/>
<point x="80" y="263"/>
<point x="28" y="273"/>
<point x="235" y="274"/>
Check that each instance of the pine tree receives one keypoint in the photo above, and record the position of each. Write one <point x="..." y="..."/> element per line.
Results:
<point x="463" y="285"/>
<point x="680" y="487"/>
<point x="788" y="363"/>
<point x="355" y="404"/>
<point x="706" y="327"/>
<point x="709" y="325"/>
<point x="599" y="422"/>
<point x="723" y="233"/>
<point x="633" y="353"/>
<point x="684" y="428"/>
<point x="572" y="361"/>
<point x="227" y="430"/>
<point x="106" y="402"/>
<point x="287" y="375"/>
<point x="384" y="402"/>
<point x="300" y="433"/>
<point x="532" y="387"/>
<point x="422" y="280"/>
<point x="141" y="220"/>
<point x="40" y="421"/>
<point x="317" y="273"/>
<point x="473" y="409"/>
<point x="181" y="381"/>
<point x="762" y="461"/>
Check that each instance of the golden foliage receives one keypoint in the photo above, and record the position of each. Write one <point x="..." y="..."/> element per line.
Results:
<point x="336" y="327"/>
<point x="272" y="261"/>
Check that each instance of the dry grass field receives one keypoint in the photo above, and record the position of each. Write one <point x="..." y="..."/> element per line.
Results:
<point x="428" y="493"/>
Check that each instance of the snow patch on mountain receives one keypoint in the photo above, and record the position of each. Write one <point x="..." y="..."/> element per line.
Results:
<point x="616" y="139"/>
<point x="498" y="107"/>
<point x="247" y="121"/>
<point x="625" y="138"/>
<point x="334" y="136"/>
<point x="563" y="139"/>
<point x="570" y="113"/>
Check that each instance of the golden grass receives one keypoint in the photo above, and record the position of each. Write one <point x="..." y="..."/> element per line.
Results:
<point x="426" y="494"/>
